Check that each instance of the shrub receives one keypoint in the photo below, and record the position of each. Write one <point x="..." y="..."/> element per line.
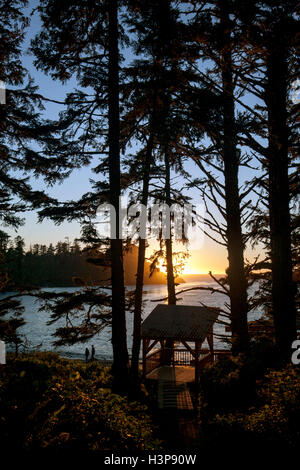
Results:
<point x="231" y="383"/>
<point x="47" y="402"/>
<point x="70" y="418"/>
<point x="274" y="418"/>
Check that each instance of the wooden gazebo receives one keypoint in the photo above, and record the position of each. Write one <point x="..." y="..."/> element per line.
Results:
<point x="167" y="325"/>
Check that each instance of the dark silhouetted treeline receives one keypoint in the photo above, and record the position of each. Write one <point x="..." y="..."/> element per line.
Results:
<point x="62" y="265"/>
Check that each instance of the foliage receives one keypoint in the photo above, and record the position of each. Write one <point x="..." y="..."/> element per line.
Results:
<point x="24" y="139"/>
<point x="10" y="308"/>
<point x="231" y="383"/>
<point x="50" y="403"/>
<point x="251" y="400"/>
<point x="21" y="124"/>
<point x="276" y="419"/>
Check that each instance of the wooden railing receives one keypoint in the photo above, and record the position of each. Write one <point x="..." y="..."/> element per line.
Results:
<point x="182" y="357"/>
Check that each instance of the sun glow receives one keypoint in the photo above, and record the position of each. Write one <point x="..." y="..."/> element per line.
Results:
<point x="198" y="262"/>
<point x="188" y="268"/>
<point x="162" y="267"/>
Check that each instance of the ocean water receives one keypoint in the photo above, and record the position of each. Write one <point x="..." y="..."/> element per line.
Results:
<point x="40" y="336"/>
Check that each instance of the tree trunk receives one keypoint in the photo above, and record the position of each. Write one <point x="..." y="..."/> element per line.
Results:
<point x="235" y="245"/>
<point x="168" y="241"/>
<point x="283" y="294"/>
<point x="137" y="319"/>
<point x="169" y="259"/>
<point x="119" y="339"/>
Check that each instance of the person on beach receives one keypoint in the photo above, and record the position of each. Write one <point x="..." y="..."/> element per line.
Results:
<point x="93" y="353"/>
<point x="87" y="353"/>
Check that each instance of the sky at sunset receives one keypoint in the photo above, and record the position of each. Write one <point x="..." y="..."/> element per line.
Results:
<point x="204" y="256"/>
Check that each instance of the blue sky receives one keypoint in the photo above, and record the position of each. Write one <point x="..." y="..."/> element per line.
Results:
<point x="78" y="182"/>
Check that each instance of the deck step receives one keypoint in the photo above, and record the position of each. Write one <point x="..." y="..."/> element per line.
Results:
<point x="172" y="395"/>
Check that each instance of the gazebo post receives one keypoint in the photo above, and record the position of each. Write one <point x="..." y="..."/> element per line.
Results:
<point x="210" y="340"/>
<point x="144" y="356"/>
<point x="173" y="354"/>
<point x="197" y="367"/>
<point x="162" y="352"/>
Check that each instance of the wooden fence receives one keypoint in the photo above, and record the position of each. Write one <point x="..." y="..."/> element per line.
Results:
<point x="182" y="357"/>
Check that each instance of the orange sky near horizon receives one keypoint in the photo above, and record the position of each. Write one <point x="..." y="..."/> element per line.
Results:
<point x="210" y="256"/>
<point x="203" y="260"/>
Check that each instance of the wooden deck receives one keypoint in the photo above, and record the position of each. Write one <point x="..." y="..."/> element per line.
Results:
<point x="178" y="374"/>
<point x="173" y="392"/>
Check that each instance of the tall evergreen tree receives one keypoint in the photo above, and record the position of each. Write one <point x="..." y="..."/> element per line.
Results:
<point x="119" y="339"/>
<point x="82" y="39"/>
<point x="235" y="243"/>
<point x="272" y="41"/>
<point x="214" y="31"/>
<point x="21" y="125"/>
<point x="159" y="74"/>
<point x="24" y="136"/>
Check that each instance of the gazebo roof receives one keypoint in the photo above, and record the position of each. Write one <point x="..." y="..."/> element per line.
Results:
<point x="179" y="322"/>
